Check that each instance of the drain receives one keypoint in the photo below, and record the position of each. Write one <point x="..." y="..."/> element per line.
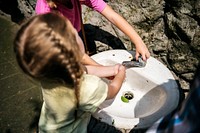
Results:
<point x="128" y="95"/>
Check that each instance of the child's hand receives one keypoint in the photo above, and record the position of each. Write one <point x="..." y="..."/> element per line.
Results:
<point x="116" y="70"/>
<point x="115" y="85"/>
<point x="122" y="71"/>
<point x="143" y="51"/>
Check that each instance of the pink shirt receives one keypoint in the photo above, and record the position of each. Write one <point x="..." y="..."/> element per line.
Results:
<point x="72" y="14"/>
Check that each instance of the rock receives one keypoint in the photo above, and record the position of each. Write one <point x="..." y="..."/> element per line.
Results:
<point x="169" y="28"/>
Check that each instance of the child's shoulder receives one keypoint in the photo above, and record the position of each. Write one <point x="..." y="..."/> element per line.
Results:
<point x="92" y="80"/>
<point x="90" y="77"/>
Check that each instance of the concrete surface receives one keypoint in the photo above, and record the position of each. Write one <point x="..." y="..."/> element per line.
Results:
<point x="20" y="98"/>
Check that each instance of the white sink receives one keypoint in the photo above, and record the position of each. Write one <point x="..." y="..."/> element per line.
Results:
<point x="153" y="87"/>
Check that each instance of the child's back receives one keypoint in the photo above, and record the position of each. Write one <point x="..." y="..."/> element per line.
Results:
<point x="47" y="49"/>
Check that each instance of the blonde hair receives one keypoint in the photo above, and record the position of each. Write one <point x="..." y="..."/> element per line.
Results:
<point x="46" y="47"/>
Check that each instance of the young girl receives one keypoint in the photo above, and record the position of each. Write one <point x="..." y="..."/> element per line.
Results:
<point x="47" y="49"/>
<point x="71" y="9"/>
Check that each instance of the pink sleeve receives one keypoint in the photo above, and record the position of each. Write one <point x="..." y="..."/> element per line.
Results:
<point x="41" y="7"/>
<point x="97" y="5"/>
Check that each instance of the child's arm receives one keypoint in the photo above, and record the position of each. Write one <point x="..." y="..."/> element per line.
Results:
<point x="87" y="60"/>
<point x="103" y="71"/>
<point x="127" y="29"/>
<point x="117" y="71"/>
<point x="115" y="85"/>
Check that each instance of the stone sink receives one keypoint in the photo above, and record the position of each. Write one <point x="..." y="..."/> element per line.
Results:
<point x="150" y="92"/>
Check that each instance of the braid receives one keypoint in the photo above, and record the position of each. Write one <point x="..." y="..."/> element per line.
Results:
<point x="45" y="50"/>
<point x="75" y="74"/>
<point x="68" y="59"/>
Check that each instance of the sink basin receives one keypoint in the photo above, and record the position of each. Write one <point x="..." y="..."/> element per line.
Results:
<point x="152" y="92"/>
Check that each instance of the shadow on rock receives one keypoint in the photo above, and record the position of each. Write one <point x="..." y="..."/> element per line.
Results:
<point x="12" y="10"/>
<point x="94" y="33"/>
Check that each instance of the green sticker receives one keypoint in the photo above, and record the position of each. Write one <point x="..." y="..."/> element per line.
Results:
<point x="124" y="99"/>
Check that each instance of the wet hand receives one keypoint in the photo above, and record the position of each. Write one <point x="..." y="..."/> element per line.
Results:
<point x="142" y="50"/>
<point x="122" y="71"/>
<point x="117" y="69"/>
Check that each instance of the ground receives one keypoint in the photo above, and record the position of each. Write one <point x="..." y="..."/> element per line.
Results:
<point x="20" y="98"/>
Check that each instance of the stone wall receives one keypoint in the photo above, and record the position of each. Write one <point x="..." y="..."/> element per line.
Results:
<point x="170" y="29"/>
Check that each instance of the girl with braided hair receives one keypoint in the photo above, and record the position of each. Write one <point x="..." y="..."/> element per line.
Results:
<point x="47" y="49"/>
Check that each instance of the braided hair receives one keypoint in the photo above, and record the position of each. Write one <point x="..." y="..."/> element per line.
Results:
<point x="46" y="47"/>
